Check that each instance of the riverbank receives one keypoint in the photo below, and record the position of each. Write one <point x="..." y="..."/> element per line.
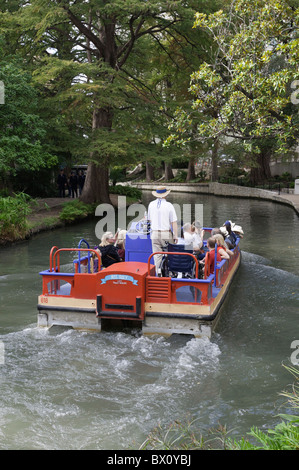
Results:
<point x="228" y="190"/>
<point x="46" y="212"/>
<point x="45" y="215"/>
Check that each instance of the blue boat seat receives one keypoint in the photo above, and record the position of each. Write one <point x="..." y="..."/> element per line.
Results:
<point x="173" y="264"/>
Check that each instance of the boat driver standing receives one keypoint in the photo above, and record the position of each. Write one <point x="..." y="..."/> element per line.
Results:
<point x="163" y="219"/>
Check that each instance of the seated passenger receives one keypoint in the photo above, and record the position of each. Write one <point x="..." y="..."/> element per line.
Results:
<point x="211" y="246"/>
<point x="237" y="229"/>
<point x="198" y="234"/>
<point x="230" y="237"/>
<point x="221" y="245"/>
<point x="198" y="230"/>
<point x="193" y="235"/>
<point x="109" y="252"/>
<point x="120" y="243"/>
<point x="218" y="231"/>
<point x="187" y="233"/>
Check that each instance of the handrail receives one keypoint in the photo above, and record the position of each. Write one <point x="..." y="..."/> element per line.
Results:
<point x="79" y="257"/>
<point x="215" y="265"/>
<point x="51" y="256"/>
<point x="172" y="253"/>
<point x="83" y="240"/>
<point x="57" y="253"/>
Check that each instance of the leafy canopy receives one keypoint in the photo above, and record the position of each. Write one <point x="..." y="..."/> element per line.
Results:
<point x="22" y="129"/>
<point x="244" y="90"/>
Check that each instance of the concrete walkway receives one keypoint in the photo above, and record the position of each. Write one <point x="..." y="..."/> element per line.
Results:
<point x="291" y="199"/>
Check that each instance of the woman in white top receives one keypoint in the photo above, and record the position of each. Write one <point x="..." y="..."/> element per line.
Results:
<point x="193" y="236"/>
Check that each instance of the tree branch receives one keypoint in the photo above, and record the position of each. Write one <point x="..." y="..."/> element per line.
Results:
<point x="85" y="31"/>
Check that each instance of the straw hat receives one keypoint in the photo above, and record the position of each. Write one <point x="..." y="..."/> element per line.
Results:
<point x="237" y="229"/>
<point x="161" y="191"/>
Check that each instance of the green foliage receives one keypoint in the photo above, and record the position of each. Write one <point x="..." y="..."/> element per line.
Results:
<point x="22" y="129"/>
<point x="110" y="98"/>
<point x="178" y="436"/>
<point x="285" y="436"/>
<point x="13" y="213"/>
<point x="76" y="210"/>
<point x="244" y="90"/>
<point x="180" y="177"/>
<point x="128" y="191"/>
<point x="117" y="174"/>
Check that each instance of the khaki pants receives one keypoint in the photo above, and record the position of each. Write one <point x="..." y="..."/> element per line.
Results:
<point x="159" y="242"/>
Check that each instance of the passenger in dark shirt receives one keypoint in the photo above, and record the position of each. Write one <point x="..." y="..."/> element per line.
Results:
<point x="109" y="252"/>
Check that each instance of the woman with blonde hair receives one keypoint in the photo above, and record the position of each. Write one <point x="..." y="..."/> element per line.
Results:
<point x="221" y="245"/>
<point x="121" y="243"/>
<point x="109" y="252"/>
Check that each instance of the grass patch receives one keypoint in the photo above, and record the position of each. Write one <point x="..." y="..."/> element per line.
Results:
<point x="45" y="223"/>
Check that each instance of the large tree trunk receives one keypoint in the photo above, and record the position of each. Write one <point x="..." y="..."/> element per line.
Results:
<point x="168" y="172"/>
<point x="191" y="170"/>
<point x="261" y="172"/>
<point x="96" y="186"/>
<point x="149" y="172"/>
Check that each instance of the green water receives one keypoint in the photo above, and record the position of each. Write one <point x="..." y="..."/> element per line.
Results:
<point x="76" y="390"/>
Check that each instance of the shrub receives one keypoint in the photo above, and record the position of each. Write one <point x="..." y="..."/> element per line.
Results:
<point x="75" y="210"/>
<point x="13" y="216"/>
<point x="128" y="191"/>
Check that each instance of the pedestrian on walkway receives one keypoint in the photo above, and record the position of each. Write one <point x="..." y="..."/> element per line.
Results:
<point x="61" y="181"/>
<point x="74" y="184"/>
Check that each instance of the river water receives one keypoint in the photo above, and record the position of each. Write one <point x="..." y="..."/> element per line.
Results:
<point x="109" y="390"/>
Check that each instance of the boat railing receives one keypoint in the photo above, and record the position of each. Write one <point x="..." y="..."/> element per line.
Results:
<point x="223" y="267"/>
<point x="164" y="289"/>
<point x="54" y="264"/>
<point x="88" y="258"/>
<point x="168" y="284"/>
<point x="53" y="278"/>
<point x="172" y="253"/>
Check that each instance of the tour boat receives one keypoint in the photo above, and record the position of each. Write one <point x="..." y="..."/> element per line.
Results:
<point x="130" y="294"/>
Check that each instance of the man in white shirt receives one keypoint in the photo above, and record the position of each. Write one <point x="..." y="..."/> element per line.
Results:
<point x="163" y="219"/>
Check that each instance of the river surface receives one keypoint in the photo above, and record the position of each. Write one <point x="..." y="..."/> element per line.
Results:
<point x="109" y="390"/>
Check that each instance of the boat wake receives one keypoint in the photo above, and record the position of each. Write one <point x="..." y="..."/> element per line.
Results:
<point x="54" y="381"/>
<point x="257" y="260"/>
<point x="254" y="259"/>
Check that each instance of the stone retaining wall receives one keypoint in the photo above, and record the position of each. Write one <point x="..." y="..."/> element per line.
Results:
<point x="224" y="190"/>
